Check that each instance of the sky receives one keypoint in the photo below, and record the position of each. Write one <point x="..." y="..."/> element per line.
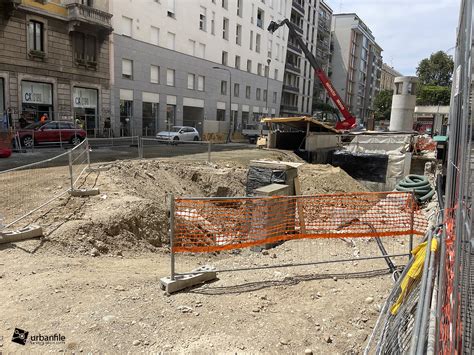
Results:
<point x="407" y="30"/>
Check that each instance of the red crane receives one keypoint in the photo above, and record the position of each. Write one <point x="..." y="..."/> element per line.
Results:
<point x="349" y="121"/>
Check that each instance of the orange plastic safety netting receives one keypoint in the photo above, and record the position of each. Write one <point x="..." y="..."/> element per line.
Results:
<point x="213" y="224"/>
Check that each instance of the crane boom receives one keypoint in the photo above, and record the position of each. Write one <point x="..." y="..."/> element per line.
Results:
<point x="349" y="120"/>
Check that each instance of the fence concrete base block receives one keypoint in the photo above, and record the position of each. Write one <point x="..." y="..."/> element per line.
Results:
<point x="84" y="192"/>
<point x="29" y="232"/>
<point x="203" y="274"/>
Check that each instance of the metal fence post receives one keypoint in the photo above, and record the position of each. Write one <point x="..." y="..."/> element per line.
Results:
<point x="70" y="170"/>
<point x="412" y="224"/>
<point x="172" y="208"/>
<point x="209" y="151"/>
<point x="140" y="147"/>
<point x="88" y="153"/>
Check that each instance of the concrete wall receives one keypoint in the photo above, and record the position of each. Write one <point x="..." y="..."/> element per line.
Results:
<point x="317" y="141"/>
<point x="403" y="105"/>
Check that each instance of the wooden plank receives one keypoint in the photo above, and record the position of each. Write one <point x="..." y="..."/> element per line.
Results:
<point x="299" y="206"/>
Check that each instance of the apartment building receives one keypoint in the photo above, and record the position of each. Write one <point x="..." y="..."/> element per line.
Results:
<point x="210" y="64"/>
<point x="312" y="20"/>
<point x="356" y="64"/>
<point x="55" y="60"/>
<point x="387" y="79"/>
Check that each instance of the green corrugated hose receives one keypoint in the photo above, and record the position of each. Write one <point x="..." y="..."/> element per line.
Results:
<point x="419" y="184"/>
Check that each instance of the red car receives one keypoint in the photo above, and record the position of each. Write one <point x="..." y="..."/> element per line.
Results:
<point x="51" y="132"/>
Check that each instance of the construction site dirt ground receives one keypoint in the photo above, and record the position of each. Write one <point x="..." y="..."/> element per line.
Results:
<point x="94" y="277"/>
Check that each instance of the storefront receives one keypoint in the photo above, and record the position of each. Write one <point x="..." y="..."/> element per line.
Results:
<point x="150" y="110"/>
<point x="2" y="96"/>
<point x="86" y="116"/>
<point x="37" y="101"/>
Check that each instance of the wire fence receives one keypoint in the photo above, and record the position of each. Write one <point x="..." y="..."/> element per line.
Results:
<point x="453" y="312"/>
<point x="151" y="147"/>
<point x="28" y="188"/>
<point x="319" y="229"/>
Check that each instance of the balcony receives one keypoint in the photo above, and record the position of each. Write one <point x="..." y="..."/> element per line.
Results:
<point x="80" y="16"/>
<point x="298" y="7"/>
<point x="293" y="68"/>
<point x="289" y="108"/>
<point x="294" y="47"/>
<point x="8" y="6"/>
<point x="292" y="89"/>
<point x="297" y="28"/>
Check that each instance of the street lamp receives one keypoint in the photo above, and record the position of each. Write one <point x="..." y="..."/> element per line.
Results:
<point x="231" y="125"/>
<point x="268" y="78"/>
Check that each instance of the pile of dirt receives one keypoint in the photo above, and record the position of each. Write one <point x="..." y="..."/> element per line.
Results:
<point x="131" y="213"/>
<point x="326" y="179"/>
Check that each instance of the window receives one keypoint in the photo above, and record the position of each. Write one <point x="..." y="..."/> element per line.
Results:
<point x="265" y="95"/>
<point x="276" y="74"/>
<point x="154" y="74"/>
<point x="257" y="94"/>
<point x="171" y="9"/>
<point x="36" y="36"/>
<point x="269" y="48"/>
<point x="126" y="117"/>
<point x="155" y="35"/>
<point x="277" y="55"/>
<point x="220" y="115"/>
<point x="191" y="81"/>
<point x="239" y="8"/>
<point x="247" y="92"/>
<point x="251" y="40"/>
<point x="259" y="68"/>
<point x="170" y="77"/>
<point x="238" y="35"/>
<point x="213" y="23"/>
<point x="237" y="62"/>
<point x="202" y="19"/>
<point x="260" y="17"/>
<point x="170" y="115"/>
<point x="171" y="40"/>
<point x="127" y="24"/>
<point x="236" y="90"/>
<point x="249" y="65"/>
<point x="127" y="69"/>
<point x="252" y="13"/>
<point x="274" y="97"/>
<point x="223" y="87"/>
<point x="267" y="71"/>
<point x="85" y="48"/>
<point x="200" y="83"/>
<point x="225" y="28"/>
<point x="202" y="50"/>
<point x="257" y="43"/>
<point x="398" y="88"/>
<point x="192" y="47"/>
<point x="225" y="56"/>
<point x="225" y="4"/>
<point x="411" y="88"/>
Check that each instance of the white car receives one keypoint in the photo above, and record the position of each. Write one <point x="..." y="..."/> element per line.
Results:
<point x="179" y="133"/>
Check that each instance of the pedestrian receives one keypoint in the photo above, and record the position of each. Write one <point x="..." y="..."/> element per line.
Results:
<point x="44" y="118"/>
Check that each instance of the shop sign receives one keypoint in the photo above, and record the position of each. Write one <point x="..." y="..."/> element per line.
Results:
<point x="36" y="93"/>
<point x="85" y="98"/>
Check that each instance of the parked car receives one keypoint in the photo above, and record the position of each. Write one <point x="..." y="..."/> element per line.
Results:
<point x="179" y="133"/>
<point x="51" y="132"/>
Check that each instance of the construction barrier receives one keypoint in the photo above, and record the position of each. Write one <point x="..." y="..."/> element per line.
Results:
<point x="214" y="224"/>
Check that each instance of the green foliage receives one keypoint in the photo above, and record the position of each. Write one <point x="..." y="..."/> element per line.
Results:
<point x="433" y="95"/>
<point x="437" y="70"/>
<point x="383" y="104"/>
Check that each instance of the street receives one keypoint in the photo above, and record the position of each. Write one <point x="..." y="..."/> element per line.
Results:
<point x="104" y="151"/>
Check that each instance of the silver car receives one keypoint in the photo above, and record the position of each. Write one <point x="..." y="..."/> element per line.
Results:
<point x="179" y="133"/>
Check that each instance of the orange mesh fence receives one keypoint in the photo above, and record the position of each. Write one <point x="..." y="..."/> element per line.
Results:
<point x="213" y="224"/>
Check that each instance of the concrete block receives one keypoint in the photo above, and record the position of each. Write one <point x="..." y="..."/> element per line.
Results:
<point x="84" y="192"/>
<point x="33" y="231"/>
<point x="200" y="275"/>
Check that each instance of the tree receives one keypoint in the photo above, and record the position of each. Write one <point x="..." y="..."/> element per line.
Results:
<point x="433" y="95"/>
<point x="383" y="104"/>
<point x="437" y="70"/>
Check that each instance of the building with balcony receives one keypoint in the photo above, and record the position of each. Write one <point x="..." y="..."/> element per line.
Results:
<point x="356" y="64"/>
<point x="208" y="64"/>
<point x="301" y="89"/>
<point x="387" y="79"/>
<point x="54" y="60"/>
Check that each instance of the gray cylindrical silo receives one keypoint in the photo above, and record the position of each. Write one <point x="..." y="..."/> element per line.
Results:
<point x="403" y="103"/>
